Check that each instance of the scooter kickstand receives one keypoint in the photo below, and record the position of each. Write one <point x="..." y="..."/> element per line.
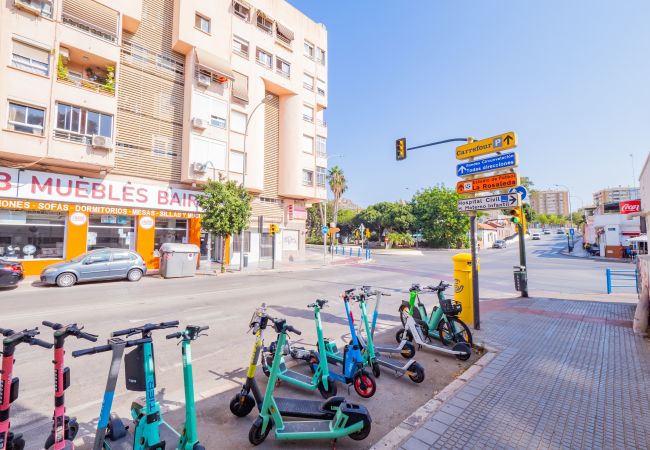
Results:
<point x="333" y="444"/>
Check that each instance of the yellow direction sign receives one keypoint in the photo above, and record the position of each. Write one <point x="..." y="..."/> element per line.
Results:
<point x="495" y="183"/>
<point x="498" y="143"/>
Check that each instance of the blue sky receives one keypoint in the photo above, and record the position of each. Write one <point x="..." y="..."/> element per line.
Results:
<point x="570" y="77"/>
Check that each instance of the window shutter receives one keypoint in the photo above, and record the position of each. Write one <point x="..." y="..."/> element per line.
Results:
<point x="33" y="53"/>
<point x="240" y="87"/>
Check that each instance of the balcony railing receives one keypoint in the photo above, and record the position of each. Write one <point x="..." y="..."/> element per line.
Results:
<point x="321" y="154"/>
<point x="73" y="137"/>
<point x="37" y="7"/>
<point x="107" y="35"/>
<point x="307" y="118"/>
<point x="89" y="85"/>
<point x="321" y="122"/>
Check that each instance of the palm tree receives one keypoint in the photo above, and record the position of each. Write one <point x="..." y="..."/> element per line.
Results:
<point x="338" y="185"/>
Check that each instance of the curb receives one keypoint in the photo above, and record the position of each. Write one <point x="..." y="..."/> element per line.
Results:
<point x="393" y="439"/>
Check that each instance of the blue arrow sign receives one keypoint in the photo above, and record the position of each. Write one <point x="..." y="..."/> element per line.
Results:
<point x="506" y="161"/>
<point x="324" y="230"/>
<point x="522" y="190"/>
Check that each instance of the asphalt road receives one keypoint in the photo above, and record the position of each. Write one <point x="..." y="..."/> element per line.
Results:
<point x="225" y="303"/>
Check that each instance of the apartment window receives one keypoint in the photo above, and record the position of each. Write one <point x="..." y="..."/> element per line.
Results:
<point x="308" y="82"/>
<point x="321" y="176"/>
<point x="283" y="34"/>
<point x="240" y="87"/>
<point x="283" y="67"/>
<point x="217" y="121"/>
<point x="162" y="146"/>
<point x="26" y="119"/>
<point x="206" y="150"/>
<point x="202" y="23"/>
<point x="165" y="62"/>
<point x="264" y="22"/>
<point x="237" y="161"/>
<point x="82" y="121"/>
<point x="264" y="58"/>
<point x="320" y="55"/>
<point x="44" y="7"/>
<point x="307" y="177"/>
<point x="320" y="85"/>
<point x="308" y="144"/>
<point x="139" y="53"/>
<point x="240" y="46"/>
<point x="29" y="58"/>
<point x="321" y="146"/>
<point x="307" y="113"/>
<point x="309" y="49"/>
<point x="241" y="10"/>
<point x="238" y="121"/>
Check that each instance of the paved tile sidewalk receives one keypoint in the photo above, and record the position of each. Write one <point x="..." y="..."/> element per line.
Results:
<point x="570" y="374"/>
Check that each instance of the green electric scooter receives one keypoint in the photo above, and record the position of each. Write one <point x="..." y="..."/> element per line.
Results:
<point x="189" y="439"/>
<point x="349" y="420"/>
<point x="320" y="379"/>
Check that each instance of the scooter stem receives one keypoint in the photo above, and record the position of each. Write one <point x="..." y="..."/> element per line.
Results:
<point x="191" y="435"/>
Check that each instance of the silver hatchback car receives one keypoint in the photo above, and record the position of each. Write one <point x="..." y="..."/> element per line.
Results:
<point x="96" y="265"/>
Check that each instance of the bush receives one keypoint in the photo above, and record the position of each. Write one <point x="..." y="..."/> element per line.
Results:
<point x="400" y="239"/>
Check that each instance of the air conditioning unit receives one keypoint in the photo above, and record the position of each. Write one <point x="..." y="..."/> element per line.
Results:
<point x="102" y="142"/>
<point x="27" y="6"/>
<point x="197" y="122"/>
<point x="204" y="80"/>
<point x="198" y="167"/>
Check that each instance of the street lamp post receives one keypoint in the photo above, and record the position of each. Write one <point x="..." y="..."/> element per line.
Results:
<point x="243" y="182"/>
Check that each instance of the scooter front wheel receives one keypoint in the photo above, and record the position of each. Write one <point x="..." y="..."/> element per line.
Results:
<point x="116" y="429"/>
<point x="17" y="444"/>
<point x="362" y="433"/>
<point x="403" y="313"/>
<point x="198" y="446"/>
<point x="465" y="349"/>
<point x="375" y="369"/>
<point x="255" y="435"/>
<point x="399" y="336"/>
<point x="364" y="384"/>
<point x="241" y="405"/>
<point x="408" y="351"/>
<point x="416" y="372"/>
<point x="331" y="391"/>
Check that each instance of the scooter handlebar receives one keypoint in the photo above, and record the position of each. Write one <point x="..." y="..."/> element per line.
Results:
<point x="125" y="331"/>
<point x="291" y="329"/>
<point x="53" y="325"/>
<point x="6" y="332"/>
<point x="174" y="335"/>
<point x="88" y="336"/>
<point x="107" y="347"/>
<point x="41" y="343"/>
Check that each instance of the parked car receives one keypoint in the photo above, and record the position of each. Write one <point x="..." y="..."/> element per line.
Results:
<point x="547" y="231"/>
<point x="560" y="231"/>
<point x="536" y="236"/>
<point x="96" y="265"/>
<point x="11" y="272"/>
<point x="499" y="244"/>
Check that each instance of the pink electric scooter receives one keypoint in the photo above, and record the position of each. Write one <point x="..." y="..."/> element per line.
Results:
<point x="9" y="385"/>
<point x="64" y="428"/>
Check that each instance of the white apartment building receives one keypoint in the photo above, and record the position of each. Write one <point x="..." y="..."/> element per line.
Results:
<point x="550" y="202"/>
<point x="115" y="112"/>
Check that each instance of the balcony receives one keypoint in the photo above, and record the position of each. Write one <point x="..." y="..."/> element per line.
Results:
<point x="36" y="7"/>
<point x="89" y="72"/>
<point x="102" y="32"/>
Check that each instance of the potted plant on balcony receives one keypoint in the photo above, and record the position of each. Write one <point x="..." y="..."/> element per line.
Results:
<point x="109" y="82"/>
<point x="61" y="69"/>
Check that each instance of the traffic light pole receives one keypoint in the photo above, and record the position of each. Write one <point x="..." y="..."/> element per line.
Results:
<point x="475" y="284"/>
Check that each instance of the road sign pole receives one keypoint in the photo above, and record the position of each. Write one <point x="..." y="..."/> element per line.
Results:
<point x="273" y="251"/>
<point x="522" y="255"/>
<point x="475" y="284"/>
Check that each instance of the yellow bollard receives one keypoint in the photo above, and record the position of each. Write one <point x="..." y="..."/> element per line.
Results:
<point x="463" y="286"/>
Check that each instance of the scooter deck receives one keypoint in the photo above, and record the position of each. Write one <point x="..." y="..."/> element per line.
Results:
<point x="308" y="426"/>
<point x="297" y="376"/>
<point x="307" y="409"/>
<point x="393" y="364"/>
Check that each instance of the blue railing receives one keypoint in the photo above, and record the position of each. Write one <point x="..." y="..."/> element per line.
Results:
<point x="351" y="251"/>
<point x="622" y="279"/>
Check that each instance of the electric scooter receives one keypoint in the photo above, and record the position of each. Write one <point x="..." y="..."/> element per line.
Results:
<point x="139" y="368"/>
<point x="352" y="360"/>
<point x="9" y="385"/>
<point x="349" y="419"/>
<point x="417" y="331"/>
<point x="189" y="439"/>
<point x="411" y="368"/>
<point x="108" y="426"/>
<point x="405" y="348"/>
<point x="64" y="428"/>
<point x="443" y="323"/>
<point x="320" y="379"/>
<point x="245" y="400"/>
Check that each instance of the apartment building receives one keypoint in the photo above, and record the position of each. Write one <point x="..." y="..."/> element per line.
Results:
<point x="608" y="199"/>
<point x="550" y="202"/>
<point x="115" y="113"/>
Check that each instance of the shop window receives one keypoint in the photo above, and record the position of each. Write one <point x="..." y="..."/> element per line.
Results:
<point x="170" y="231"/>
<point x="111" y="231"/>
<point x="31" y="234"/>
<point x="236" y="240"/>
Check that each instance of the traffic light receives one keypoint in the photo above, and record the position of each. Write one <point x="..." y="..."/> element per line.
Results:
<point x="273" y="228"/>
<point x="515" y="216"/>
<point x="400" y="149"/>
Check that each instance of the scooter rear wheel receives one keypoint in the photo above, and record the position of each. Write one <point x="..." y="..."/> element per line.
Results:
<point x="403" y="313"/>
<point x="399" y="336"/>
<point x="242" y="404"/>
<point x="198" y="446"/>
<point x="462" y="347"/>
<point x="364" y="384"/>
<point x="418" y="372"/>
<point x="408" y="351"/>
<point x="255" y="435"/>
<point x="362" y="433"/>
<point x="375" y="369"/>
<point x="17" y="444"/>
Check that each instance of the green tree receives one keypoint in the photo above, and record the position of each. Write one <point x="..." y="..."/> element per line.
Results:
<point x="226" y="208"/>
<point x="338" y="184"/>
<point x="315" y="220"/>
<point x="347" y="221"/>
<point x="529" y="212"/>
<point x="542" y="219"/>
<point x="389" y="216"/>
<point x="436" y="213"/>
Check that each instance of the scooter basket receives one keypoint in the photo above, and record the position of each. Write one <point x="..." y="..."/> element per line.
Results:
<point x="450" y="308"/>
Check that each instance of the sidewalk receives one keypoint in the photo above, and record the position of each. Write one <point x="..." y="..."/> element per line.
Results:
<point x="579" y="252"/>
<point x="568" y="374"/>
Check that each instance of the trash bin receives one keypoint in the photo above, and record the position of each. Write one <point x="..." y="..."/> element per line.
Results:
<point x="463" y="289"/>
<point x="178" y="260"/>
<point x="521" y="278"/>
<point x="245" y="260"/>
